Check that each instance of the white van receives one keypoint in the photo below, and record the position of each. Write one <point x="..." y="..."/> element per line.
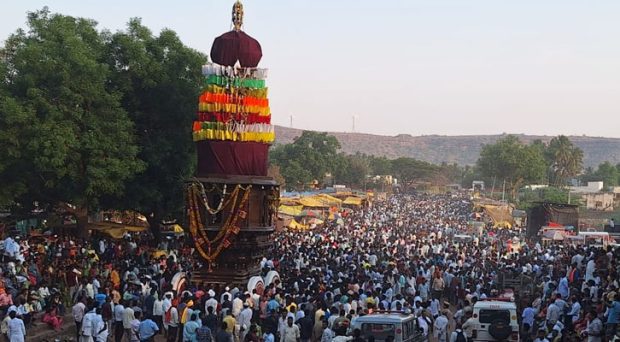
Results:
<point x="596" y="239"/>
<point x="495" y="320"/>
<point x="402" y="327"/>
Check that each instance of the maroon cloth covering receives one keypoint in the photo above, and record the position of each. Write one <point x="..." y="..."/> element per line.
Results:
<point x="236" y="45"/>
<point x="232" y="158"/>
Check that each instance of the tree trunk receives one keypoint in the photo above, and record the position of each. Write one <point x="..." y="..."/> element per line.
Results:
<point x="155" y="226"/>
<point x="81" y="217"/>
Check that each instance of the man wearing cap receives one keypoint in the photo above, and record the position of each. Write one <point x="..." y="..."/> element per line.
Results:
<point x="226" y="293"/>
<point x="211" y="302"/>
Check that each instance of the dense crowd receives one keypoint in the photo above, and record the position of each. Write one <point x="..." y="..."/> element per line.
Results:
<point x="396" y="255"/>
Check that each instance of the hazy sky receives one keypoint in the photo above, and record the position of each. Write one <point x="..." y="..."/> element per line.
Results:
<point x="408" y="66"/>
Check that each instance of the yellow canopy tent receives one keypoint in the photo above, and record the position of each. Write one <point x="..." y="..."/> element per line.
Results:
<point x="288" y="201"/>
<point x="330" y="200"/>
<point x="313" y="202"/>
<point x="501" y="215"/>
<point x="115" y="230"/>
<point x="296" y="225"/>
<point x="290" y="210"/>
<point x="356" y="201"/>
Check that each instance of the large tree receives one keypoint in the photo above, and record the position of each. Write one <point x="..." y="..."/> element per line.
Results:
<point x="564" y="158"/>
<point x="409" y="170"/>
<point x="160" y="79"/>
<point x="310" y="157"/>
<point x="70" y="140"/>
<point x="353" y="171"/>
<point x="511" y="161"/>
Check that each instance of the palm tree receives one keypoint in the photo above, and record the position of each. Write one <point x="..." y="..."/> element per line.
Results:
<point x="565" y="159"/>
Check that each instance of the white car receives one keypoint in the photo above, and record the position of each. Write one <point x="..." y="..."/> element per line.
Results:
<point x="400" y="326"/>
<point x="495" y="320"/>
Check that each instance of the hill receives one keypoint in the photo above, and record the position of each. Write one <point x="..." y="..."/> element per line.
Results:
<point x="462" y="149"/>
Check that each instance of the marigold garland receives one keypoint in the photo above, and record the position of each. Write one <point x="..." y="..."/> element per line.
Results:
<point x="227" y="231"/>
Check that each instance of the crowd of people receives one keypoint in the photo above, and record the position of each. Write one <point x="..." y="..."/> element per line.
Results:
<point x="398" y="254"/>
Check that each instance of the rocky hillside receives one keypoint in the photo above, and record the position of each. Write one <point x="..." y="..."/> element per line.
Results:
<point x="463" y="150"/>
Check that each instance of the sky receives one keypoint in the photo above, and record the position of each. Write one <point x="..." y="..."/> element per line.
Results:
<point x="445" y="67"/>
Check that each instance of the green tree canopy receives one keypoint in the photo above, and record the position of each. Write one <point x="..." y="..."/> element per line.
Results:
<point x="355" y="168"/>
<point x="608" y="173"/>
<point x="409" y="170"/>
<point x="310" y="157"/>
<point x="70" y="139"/>
<point x="510" y="160"/>
<point x="380" y="166"/>
<point x="159" y="79"/>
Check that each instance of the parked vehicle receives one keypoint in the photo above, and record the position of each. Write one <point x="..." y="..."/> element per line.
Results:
<point x="495" y="320"/>
<point x="595" y="239"/>
<point x="401" y="326"/>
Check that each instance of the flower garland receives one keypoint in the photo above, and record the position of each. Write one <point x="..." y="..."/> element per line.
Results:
<point x="228" y="230"/>
<point x="199" y="219"/>
<point x="205" y="200"/>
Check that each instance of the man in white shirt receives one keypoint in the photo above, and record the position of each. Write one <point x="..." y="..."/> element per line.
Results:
<point x="78" y="311"/>
<point x="173" y="324"/>
<point x="102" y="328"/>
<point x="573" y="314"/>
<point x="291" y="331"/>
<point x="118" y="322"/>
<point x="590" y="268"/>
<point x="158" y="313"/>
<point x="128" y="317"/>
<point x="211" y="302"/>
<point x="96" y="285"/>
<point x="226" y="292"/>
<point x="541" y="336"/>
<point x="553" y="314"/>
<point x="89" y="326"/>
<point x="16" y="330"/>
<point x="441" y="327"/>
<point x="244" y="320"/>
<point x="237" y="305"/>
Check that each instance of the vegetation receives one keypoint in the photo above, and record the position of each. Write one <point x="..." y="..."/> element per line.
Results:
<point x="313" y="156"/>
<point x="549" y="194"/>
<point x="94" y="119"/>
<point x="564" y="160"/>
<point x="65" y="135"/>
<point x="159" y="79"/>
<point x="518" y="164"/>
<point x="606" y="172"/>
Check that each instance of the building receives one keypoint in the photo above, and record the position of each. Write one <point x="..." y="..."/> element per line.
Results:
<point x="603" y="201"/>
<point x="590" y="188"/>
